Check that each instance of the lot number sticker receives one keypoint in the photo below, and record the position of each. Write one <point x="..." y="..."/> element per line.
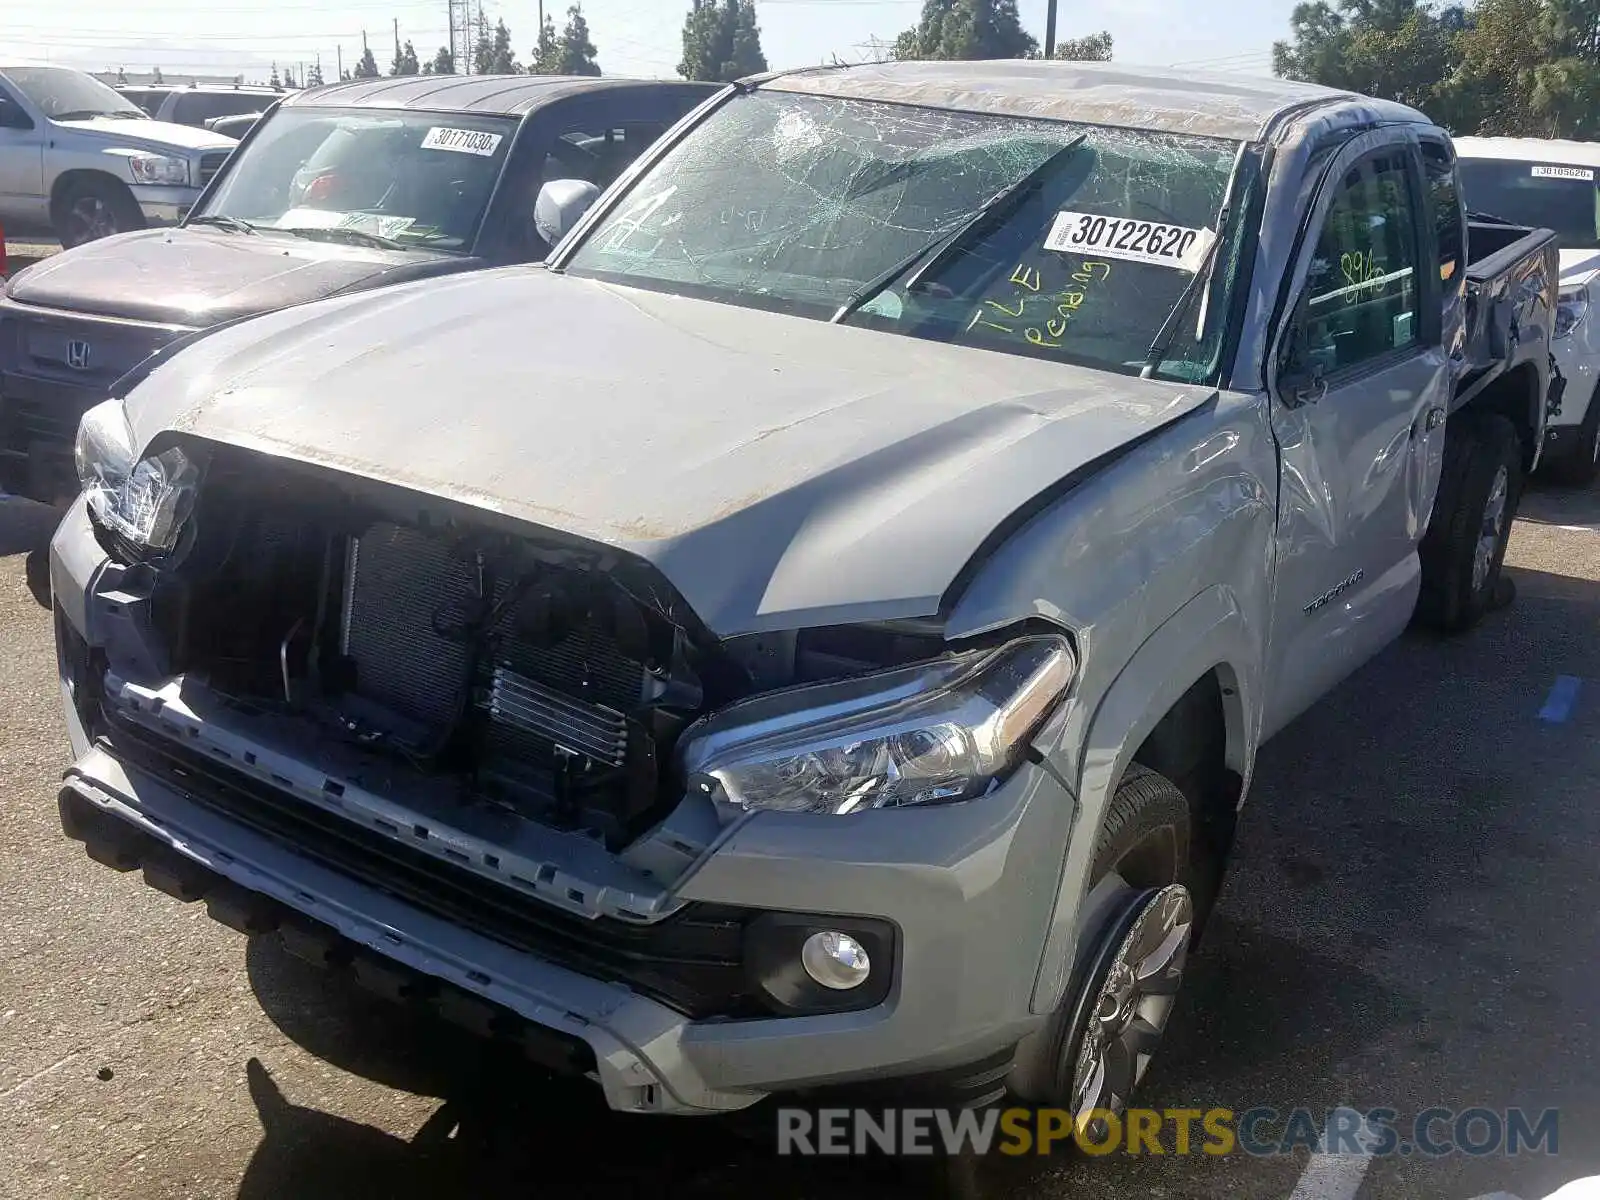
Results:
<point x="1584" y="173"/>
<point x="1175" y="246"/>
<point x="462" y="141"/>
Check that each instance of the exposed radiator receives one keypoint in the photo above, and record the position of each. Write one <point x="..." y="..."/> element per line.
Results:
<point x="545" y="704"/>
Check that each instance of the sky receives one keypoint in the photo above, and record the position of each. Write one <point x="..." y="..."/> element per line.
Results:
<point x="634" y="37"/>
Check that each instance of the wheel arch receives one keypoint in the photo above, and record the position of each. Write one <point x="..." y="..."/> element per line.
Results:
<point x="1187" y="700"/>
<point x="67" y="180"/>
<point x="1516" y="396"/>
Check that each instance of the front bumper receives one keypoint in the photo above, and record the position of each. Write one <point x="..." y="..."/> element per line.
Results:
<point x="164" y="205"/>
<point x="967" y="887"/>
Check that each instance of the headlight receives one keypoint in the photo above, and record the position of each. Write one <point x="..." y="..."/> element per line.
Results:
<point x="145" y="501"/>
<point x="1571" y="306"/>
<point x="158" y="168"/>
<point x="931" y="733"/>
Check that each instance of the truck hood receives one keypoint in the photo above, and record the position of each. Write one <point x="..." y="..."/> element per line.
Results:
<point x="198" y="276"/>
<point x="1579" y="266"/>
<point x="780" y="472"/>
<point x="159" y="136"/>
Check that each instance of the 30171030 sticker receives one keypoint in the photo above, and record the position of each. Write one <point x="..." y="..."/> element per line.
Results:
<point x="462" y="141"/>
<point x="1157" y="243"/>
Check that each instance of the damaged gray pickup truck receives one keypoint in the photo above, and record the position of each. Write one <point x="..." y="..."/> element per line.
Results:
<point x="817" y="628"/>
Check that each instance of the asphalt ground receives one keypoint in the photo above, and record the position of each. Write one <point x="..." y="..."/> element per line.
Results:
<point x="1410" y="922"/>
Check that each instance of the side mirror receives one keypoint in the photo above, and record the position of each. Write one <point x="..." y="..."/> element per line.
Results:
<point x="1301" y="374"/>
<point x="561" y="203"/>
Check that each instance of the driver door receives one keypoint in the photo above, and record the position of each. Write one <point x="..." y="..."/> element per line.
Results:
<point x="1360" y="387"/>
<point x="22" y="194"/>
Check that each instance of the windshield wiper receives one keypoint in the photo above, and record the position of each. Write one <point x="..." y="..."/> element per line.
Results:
<point x="1168" y="332"/>
<point x="352" y="237"/>
<point x="947" y="243"/>
<point x="223" y="221"/>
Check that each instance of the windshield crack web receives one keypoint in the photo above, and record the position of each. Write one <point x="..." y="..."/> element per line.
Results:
<point x="797" y="201"/>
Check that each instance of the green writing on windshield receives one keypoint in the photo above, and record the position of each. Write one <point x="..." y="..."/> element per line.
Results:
<point x="1038" y="312"/>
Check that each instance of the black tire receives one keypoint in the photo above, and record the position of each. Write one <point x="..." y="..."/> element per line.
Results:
<point x="1477" y="449"/>
<point x="1579" y="463"/>
<point x="94" y="207"/>
<point x="1144" y="840"/>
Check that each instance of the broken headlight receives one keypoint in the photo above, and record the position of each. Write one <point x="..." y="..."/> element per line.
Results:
<point x="931" y="733"/>
<point x="145" y="501"/>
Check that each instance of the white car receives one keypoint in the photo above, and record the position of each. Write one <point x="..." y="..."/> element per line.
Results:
<point x="1535" y="181"/>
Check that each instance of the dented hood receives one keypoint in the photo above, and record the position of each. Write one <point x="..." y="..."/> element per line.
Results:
<point x="779" y="471"/>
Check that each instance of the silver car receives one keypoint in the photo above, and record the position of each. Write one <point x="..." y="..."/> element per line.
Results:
<point x="79" y="158"/>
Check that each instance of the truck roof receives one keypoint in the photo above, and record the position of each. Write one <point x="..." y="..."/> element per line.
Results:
<point x="503" y="95"/>
<point x="1211" y="104"/>
<point x="1545" y="150"/>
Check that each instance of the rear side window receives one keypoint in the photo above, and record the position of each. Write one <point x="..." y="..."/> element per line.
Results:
<point x="1361" y="297"/>
<point x="598" y="155"/>
<point x="196" y="108"/>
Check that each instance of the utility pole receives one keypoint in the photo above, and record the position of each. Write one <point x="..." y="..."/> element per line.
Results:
<point x="339" y="50"/>
<point x="397" y="39"/>
<point x="1050" y="30"/>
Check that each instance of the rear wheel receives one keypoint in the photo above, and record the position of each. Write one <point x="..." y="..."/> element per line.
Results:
<point x="94" y="207"/>
<point x="1138" y="925"/>
<point x="1465" y="546"/>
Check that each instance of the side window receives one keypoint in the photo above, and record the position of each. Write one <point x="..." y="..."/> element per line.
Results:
<point x="1361" y="297"/>
<point x="1445" y="197"/>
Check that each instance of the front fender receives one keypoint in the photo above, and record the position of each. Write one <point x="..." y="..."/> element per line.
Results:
<point x="1209" y="633"/>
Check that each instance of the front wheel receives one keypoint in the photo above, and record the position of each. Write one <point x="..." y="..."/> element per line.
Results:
<point x="94" y="208"/>
<point x="1138" y="925"/>
<point x="1465" y="546"/>
<point x="1579" y="463"/>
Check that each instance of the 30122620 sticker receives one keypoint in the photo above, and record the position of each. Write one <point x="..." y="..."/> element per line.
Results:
<point x="1157" y="243"/>
<point x="462" y="141"/>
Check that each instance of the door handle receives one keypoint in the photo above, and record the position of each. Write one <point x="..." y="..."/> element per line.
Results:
<point x="1432" y="419"/>
<point x="1312" y="389"/>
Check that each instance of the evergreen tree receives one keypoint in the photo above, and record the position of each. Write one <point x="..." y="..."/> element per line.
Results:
<point x="367" y="67"/>
<point x="721" y="41"/>
<point x="967" y="29"/>
<point x="577" y="51"/>
<point x="443" y="63"/>
<point x="405" y="62"/>
<point x="547" y="51"/>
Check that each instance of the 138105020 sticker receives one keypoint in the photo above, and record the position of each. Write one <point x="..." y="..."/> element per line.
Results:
<point x="462" y="141"/>
<point x="1156" y="242"/>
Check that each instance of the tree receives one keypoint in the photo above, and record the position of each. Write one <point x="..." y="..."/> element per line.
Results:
<point x="122" y="77"/>
<point x="314" y="75"/>
<point x="288" y="78"/>
<point x="967" y="29"/>
<point x="577" y="51"/>
<point x="155" y="75"/>
<point x="547" y="50"/>
<point x="443" y="63"/>
<point x="273" y="80"/>
<point x="493" y="54"/>
<point x="1094" y="48"/>
<point x="367" y="67"/>
<point x="721" y="41"/>
<point x="405" y="61"/>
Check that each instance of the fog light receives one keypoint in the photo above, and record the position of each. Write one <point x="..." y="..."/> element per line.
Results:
<point x="835" y="960"/>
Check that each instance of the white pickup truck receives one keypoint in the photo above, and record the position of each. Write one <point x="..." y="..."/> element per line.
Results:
<point x="88" y="163"/>
<point x="1539" y="181"/>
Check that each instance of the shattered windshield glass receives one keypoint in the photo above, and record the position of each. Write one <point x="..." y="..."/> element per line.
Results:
<point x="813" y="205"/>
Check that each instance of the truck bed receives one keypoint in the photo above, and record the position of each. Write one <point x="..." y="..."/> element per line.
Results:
<point x="1512" y="274"/>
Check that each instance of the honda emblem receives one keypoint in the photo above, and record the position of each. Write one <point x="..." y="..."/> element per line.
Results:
<point x="78" y="355"/>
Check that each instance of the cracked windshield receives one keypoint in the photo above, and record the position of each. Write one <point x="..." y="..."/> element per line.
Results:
<point x="403" y="179"/>
<point x="1034" y="237"/>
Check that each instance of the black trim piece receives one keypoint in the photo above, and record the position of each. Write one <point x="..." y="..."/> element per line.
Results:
<point x="692" y="961"/>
